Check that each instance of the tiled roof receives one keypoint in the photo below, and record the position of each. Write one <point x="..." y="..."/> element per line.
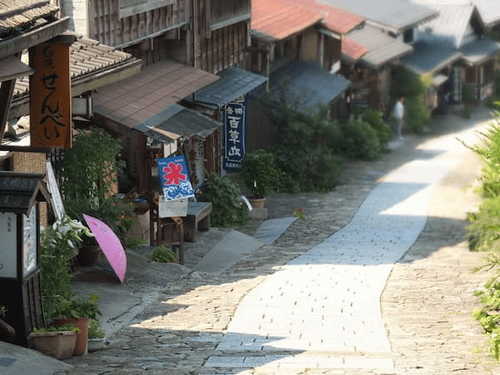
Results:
<point x="87" y="56"/>
<point x="306" y="86"/>
<point x="17" y="191"/>
<point x="279" y="19"/>
<point x="430" y="57"/>
<point x="16" y="15"/>
<point x="144" y="98"/>
<point x="476" y="52"/>
<point x="381" y="47"/>
<point x="450" y="26"/>
<point x="489" y="11"/>
<point x="394" y="14"/>
<point x="335" y="19"/>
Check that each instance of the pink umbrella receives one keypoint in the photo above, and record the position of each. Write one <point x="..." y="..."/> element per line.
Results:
<point x="109" y="244"/>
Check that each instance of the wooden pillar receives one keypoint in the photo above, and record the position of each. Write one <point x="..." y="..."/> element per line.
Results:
<point x="321" y="50"/>
<point x="6" y="92"/>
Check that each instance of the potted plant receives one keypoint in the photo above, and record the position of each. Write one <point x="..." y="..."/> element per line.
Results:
<point x="90" y="173"/>
<point x="58" y="342"/>
<point x="59" y="244"/>
<point x="97" y="339"/>
<point x="78" y="311"/>
<point x="260" y="175"/>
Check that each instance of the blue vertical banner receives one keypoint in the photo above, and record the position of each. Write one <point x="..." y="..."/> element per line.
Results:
<point x="235" y="117"/>
<point x="174" y="178"/>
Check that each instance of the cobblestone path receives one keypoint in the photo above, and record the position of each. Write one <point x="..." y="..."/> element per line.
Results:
<point x="327" y="301"/>
<point x="321" y="303"/>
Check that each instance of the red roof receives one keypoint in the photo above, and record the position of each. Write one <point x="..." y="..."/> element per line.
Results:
<point x="334" y="19"/>
<point x="352" y="49"/>
<point x="280" y="19"/>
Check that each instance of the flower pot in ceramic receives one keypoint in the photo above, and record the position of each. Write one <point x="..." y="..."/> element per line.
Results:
<point x="59" y="345"/>
<point x="257" y="202"/>
<point x="97" y="344"/>
<point x="82" y="336"/>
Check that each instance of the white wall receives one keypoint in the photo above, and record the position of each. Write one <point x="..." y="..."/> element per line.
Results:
<point x="77" y="10"/>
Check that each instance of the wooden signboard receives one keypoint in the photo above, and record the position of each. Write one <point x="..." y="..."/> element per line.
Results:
<point x="132" y="7"/>
<point x="50" y="96"/>
<point x="177" y="208"/>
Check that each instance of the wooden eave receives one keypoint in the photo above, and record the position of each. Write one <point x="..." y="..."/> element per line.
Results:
<point x="33" y="37"/>
<point x="82" y="84"/>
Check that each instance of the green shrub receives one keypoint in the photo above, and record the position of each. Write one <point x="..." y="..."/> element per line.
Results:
<point x="306" y="151"/>
<point x="59" y="244"/>
<point x="489" y="314"/>
<point x="308" y="170"/>
<point x="376" y="121"/>
<point x="484" y="230"/>
<point x="489" y="151"/>
<point x="360" y="140"/>
<point x="163" y="254"/>
<point x="95" y="330"/>
<point x="260" y="173"/>
<point x="90" y="169"/>
<point x="484" y="234"/>
<point x="413" y="88"/>
<point x="227" y="207"/>
<point x="417" y="115"/>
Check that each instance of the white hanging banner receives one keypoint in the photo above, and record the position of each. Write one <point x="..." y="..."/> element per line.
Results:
<point x="55" y="194"/>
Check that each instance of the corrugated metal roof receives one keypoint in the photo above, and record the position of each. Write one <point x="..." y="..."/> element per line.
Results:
<point x="395" y="14"/>
<point x="183" y="123"/>
<point x="489" y="10"/>
<point x="306" y="86"/>
<point x="381" y="47"/>
<point x="476" y="52"/>
<point x="430" y="57"/>
<point x="450" y="26"/>
<point x="87" y="57"/>
<point x="145" y="98"/>
<point x="335" y="19"/>
<point x="279" y="19"/>
<point x="234" y="82"/>
<point x="16" y="15"/>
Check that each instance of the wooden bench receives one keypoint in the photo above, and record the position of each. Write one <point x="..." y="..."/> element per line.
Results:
<point x="198" y="218"/>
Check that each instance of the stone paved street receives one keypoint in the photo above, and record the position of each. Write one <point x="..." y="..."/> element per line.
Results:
<point x="376" y="280"/>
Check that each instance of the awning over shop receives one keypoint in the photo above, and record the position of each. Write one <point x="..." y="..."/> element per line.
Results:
<point x="183" y="123"/>
<point x="430" y="57"/>
<point x="233" y="83"/>
<point x="12" y="67"/>
<point x="306" y="85"/>
<point x="92" y="65"/>
<point x="381" y="47"/>
<point x="146" y="100"/>
<point x="477" y="52"/>
<point x="439" y="79"/>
